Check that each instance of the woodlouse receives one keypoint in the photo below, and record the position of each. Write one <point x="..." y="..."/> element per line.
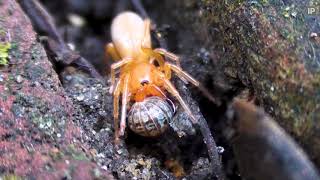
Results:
<point x="151" y="116"/>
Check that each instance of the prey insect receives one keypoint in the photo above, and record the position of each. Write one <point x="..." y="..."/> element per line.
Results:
<point x="144" y="72"/>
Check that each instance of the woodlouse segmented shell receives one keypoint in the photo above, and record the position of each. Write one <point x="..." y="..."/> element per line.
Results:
<point x="150" y="117"/>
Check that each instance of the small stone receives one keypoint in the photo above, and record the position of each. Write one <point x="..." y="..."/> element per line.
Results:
<point x="313" y="35"/>
<point x="220" y="149"/>
<point x="272" y="88"/>
<point x="104" y="168"/>
<point x="120" y="151"/>
<point x="80" y="97"/>
<point x="76" y="20"/>
<point x="1" y="78"/>
<point x="96" y="97"/>
<point x="36" y="84"/>
<point x="294" y="14"/>
<point x="68" y="77"/>
<point x="72" y="46"/>
<point x="19" y="79"/>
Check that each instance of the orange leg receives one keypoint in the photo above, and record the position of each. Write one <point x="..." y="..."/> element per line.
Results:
<point x="125" y="96"/>
<point x="168" y="54"/>
<point x="167" y="72"/>
<point x="172" y="90"/>
<point x="154" y="57"/>
<point x="116" y="95"/>
<point x="185" y="76"/>
<point x="115" y="66"/>
<point x="112" y="51"/>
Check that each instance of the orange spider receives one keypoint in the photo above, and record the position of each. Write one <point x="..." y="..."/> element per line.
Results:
<point x="143" y="71"/>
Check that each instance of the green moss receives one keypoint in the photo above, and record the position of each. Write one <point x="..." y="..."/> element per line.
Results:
<point x="10" y="177"/>
<point x="56" y="156"/>
<point x="4" y="53"/>
<point x="76" y="154"/>
<point x="15" y="52"/>
<point x="50" y="120"/>
<point x="264" y="2"/>
<point x="36" y="52"/>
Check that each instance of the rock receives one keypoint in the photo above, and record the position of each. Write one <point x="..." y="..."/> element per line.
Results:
<point x="269" y="47"/>
<point x="38" y="139"/>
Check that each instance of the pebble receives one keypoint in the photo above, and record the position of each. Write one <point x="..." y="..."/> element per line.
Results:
<point x="272" y="88"/>
<point x="220" y="149"/>
<point x="80" y="97"/>
<point x="68" y="78"/>
<point x="19" y="79"/>
<point x="104" y="168"/>
<point x="313" y="35"/>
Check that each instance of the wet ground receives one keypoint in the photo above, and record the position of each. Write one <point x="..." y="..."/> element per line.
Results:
<point x="85" y="25"/>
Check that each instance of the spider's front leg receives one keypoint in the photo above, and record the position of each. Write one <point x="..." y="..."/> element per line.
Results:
<point x="168" y="54"/>
<point x="121" y="87"/>
<point x="184" y="76"/>
<point x="174" y="92"/>
<point x="114" y="67"/>
<point x="125" y="100"/>
<point x="116" y="95"/>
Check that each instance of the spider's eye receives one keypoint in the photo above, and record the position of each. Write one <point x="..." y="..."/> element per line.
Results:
<point x="155" y="63"/>
<point x="144" y="82"/>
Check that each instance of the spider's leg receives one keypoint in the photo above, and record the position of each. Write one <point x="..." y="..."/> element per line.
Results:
<point x="112" y="51"/>
<point x="185" y="76"/>
<point x="116" y="95"/>
<point x="167" y="72"/>
<point x="168" y="54"/>
<point x="182" y="74"/>
<point x="172" y="90"/>
<point x="125" y="96"/>
<point x="115" y="66"/>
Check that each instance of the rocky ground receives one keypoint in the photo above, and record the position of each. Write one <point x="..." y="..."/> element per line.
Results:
<point x="56" y="121"/>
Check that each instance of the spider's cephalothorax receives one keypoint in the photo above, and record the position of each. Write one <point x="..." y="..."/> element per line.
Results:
<point x="144" y="73"/>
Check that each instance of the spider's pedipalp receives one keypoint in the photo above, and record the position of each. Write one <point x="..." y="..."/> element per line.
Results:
<point x="112" y="51"/>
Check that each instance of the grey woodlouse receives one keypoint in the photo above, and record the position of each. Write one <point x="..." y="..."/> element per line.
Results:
<point x="151" y="116"/>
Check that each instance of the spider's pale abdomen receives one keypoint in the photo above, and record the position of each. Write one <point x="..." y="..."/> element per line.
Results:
<point x="150" y="117"/>
<point x="127" y="33"/>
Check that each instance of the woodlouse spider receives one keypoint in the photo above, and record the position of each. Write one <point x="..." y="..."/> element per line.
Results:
<point x="144" y="72"/>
